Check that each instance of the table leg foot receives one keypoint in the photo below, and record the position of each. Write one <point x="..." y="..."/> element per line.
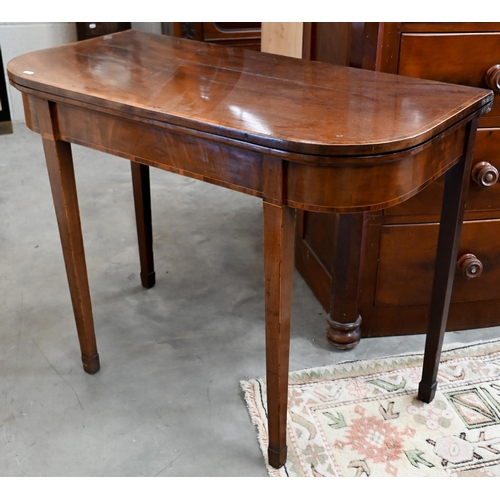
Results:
<point x="91" y="365"/>
<point x="277" y="458"/>
<point x="148" y="280"/>
<point x="343" y="335"/>
<point x="426" y="392"/>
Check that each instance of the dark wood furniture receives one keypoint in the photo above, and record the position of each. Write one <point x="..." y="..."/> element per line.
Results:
<point x="297" y="134"/>
<point x="245" y="35"/>
<point x="84" y="31"/>
<point x="365" y="287"/>
<point x="5" y="119"/>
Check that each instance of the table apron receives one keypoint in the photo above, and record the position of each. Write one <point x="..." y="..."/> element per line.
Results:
<point x="375" y="182"/>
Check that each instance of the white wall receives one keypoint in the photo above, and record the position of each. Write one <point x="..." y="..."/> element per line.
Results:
<point x="20" y="38"/>
<point x="151" y="27"/>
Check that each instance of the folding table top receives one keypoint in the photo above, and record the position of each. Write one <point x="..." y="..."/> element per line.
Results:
<point x="263" y="99"/>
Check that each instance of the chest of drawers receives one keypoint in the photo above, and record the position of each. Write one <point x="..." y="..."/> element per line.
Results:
<point x="357" y="266"/>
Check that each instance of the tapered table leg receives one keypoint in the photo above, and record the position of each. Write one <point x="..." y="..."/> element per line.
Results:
<point x="279" y="229"/>
<point x="62" y="182"/>
<point x="142" y="202"/>
<point x="455" y="194"/>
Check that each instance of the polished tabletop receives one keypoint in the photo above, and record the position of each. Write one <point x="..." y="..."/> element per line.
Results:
<point x="262" y="99"/>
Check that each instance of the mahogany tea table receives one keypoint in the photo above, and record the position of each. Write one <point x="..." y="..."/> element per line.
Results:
<point x="298" y="134"/>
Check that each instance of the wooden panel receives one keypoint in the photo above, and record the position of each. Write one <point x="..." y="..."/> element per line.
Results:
<point x="245" y="35"/>
<point x="318" y="278"/>
<point x="386" y="321"/>
<point x="282" y="38"/>
<point x="396" y="174"/>
<point x="451" y="57"/>
<point x="163" y="147"/>
<point x="319" y="233"/>
<point x="449" y="27"/>
<point x="327" y="42"/>
<point x="406" y="264"/>
<point x="218" y="31"/>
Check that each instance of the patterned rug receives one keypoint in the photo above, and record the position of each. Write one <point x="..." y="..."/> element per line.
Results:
<point x="363" y="419"/>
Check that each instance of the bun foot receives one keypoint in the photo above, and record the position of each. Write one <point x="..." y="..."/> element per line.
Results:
<point x="343" y="335"/>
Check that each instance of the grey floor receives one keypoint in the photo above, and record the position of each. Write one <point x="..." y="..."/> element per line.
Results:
<point x="167" y="401"/>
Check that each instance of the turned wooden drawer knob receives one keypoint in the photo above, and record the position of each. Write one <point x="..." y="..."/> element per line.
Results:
<point x="484" y="174"/>
<point x="493" y="78"/>
<point x="470" y="266"/>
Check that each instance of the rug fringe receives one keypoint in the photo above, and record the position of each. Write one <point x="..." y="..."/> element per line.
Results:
<point x="250" y="391"/>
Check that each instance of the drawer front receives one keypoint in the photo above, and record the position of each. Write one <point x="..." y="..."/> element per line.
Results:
<point x="406" y="264"/>
<point x="462" y="58"/>
<point x="480" y="197"/>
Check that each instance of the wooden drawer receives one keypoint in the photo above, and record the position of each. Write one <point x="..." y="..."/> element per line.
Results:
<point x="406" y="264"/>
<point x="480" y="198"/>
<point x="462" y="58"/>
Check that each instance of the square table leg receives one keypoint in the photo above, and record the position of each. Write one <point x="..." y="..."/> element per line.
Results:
<point x="450" y="228"/>
<point x="279" y="233"/>
<point x="62" y="182"/>
<point x="142" y="203"/>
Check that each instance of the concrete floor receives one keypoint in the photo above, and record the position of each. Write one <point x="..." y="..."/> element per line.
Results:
<point x="167" y="401"/>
